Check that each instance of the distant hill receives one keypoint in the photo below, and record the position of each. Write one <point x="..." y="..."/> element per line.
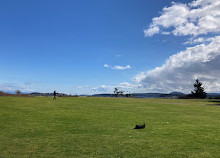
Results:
<point x="176" y="93"/>
<point x="103" y="95"/>
<point x="213" y="95"/>
<point x="147" y="95"/>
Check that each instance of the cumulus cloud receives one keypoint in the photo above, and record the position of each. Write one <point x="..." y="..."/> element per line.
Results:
<point x="181" y="69"/>
<point x="200" y="20"/>
<point x="196" y="18"/>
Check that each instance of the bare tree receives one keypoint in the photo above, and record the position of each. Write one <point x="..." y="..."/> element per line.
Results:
<point x="116" y="92"/>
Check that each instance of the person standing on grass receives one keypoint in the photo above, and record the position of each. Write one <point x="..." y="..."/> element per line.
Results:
<point x="54" y="94"/>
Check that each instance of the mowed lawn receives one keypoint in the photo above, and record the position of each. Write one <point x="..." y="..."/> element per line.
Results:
<point x="103" y="127"/>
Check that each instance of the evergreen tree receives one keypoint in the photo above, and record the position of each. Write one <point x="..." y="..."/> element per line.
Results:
<point x="199" y="91"/>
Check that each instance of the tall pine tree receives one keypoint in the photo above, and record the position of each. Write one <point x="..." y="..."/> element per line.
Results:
<point x="199" y="91"/>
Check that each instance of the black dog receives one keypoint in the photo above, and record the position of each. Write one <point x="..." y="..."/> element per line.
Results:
<point x="139" y="126"/>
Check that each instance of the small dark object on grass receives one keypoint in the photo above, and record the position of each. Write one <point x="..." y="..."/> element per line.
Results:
<point x="140" y="126"/>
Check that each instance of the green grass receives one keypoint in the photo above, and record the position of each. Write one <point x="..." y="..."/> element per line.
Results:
<point x="103" y="127"/>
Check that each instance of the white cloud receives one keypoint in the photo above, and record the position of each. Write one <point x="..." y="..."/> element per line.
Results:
<point x="127" y="85"/>
<point x="106" y="65"/>
<point x="197" y="18"/>
<point x="194" y="41"/>
<point x="151" y="31"/>
<point x="121" y="67"/>
<point x="81" y="87"/>
<point x="181" y="69"/>
<point x="117" y="67"/>
<point x="198" y="40"/>
<point x="165" y="33"/>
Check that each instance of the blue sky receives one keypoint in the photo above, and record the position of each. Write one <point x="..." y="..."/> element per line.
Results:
<point x="83" y="47"/>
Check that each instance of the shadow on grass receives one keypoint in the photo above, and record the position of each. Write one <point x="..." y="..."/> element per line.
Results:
<point x="216" y="102"/>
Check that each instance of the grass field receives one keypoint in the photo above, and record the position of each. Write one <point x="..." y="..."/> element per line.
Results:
<point x="103" y="127"/>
